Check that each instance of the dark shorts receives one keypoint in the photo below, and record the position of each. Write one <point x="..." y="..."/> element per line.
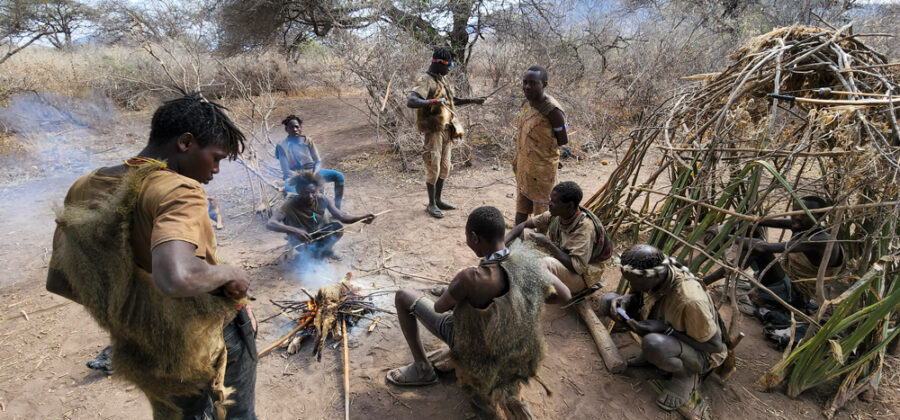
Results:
<point x="441" y="325"/>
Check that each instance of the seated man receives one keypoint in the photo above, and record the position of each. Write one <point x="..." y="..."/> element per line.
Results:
<point x="494" y="329"/>
<point x="804" y="257"/>
<point x="573" y="236"/>
<point x="304" y="218"/>
<point x="675" y="316"/>
<point x="299" y="153"/>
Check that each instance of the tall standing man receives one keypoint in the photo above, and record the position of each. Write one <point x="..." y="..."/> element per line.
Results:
<point x="432" y="98"/>
<point x="541" y="131"/>
<point x="134" y="246"/>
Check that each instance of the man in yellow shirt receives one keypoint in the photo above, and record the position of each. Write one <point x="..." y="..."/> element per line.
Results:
<point x="676" y="318"/>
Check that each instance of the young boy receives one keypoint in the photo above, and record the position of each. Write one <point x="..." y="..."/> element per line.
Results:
<point x="134" y="245"/>
<point x="570" y="235"/>
<point x="298" y="153"/>
<point x="494" y="328"/>
<point x="305" y="217"/>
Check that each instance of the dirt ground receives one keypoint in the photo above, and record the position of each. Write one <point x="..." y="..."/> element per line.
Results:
<point x="45" y="341"/>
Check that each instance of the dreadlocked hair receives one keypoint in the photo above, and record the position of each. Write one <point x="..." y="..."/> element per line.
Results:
<point x="647" y="261"/>
<point x="304" y="178"/>
<point x="205" y="120"/>
<point x="287" y="120"/>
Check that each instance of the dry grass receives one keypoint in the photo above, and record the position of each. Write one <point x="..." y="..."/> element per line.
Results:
<point x="134" y="79"/>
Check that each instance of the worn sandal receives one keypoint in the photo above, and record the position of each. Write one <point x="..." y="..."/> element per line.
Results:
<point x="409" y="376"/>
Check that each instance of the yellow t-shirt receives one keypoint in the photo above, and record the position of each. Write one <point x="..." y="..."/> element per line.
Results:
<point x="683" y="303"/>
<point x="170" y="207"/>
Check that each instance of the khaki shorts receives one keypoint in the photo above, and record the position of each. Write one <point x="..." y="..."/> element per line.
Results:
<point x="436" y="155"/>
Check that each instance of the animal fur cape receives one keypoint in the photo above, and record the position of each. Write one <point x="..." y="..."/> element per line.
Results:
<point x="166" y="346"/>
<point x="501" y="347"/>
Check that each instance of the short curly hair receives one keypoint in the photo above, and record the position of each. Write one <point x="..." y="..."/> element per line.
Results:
<point x="287" y="120"/>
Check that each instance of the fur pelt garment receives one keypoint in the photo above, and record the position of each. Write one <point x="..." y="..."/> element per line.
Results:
<point x="167" y="346"/>
<point x="499" y="348"/>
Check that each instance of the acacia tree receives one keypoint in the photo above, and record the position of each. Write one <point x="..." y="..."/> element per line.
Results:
<point x="64" y="18"/>
<point x="19" y="26"/>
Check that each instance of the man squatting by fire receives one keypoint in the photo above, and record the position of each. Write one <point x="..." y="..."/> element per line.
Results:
<point x="488" y="316"/>
<point x="677" y="320"/>
<point x="307" y="217"/>
<point x="178" y="321"/>
<point x="432" y="98"/>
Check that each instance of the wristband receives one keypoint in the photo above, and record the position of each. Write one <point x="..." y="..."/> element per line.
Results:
<point x="669" y="331"/>
<point x="558" y="129"/>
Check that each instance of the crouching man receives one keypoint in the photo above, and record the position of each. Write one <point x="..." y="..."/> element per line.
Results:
<point x="671" y="310"/>
<point x="307" y="217"/>
<point x="573" y="237"/>
<point x="494" y="329"/>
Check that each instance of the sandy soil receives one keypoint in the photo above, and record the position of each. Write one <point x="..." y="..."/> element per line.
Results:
<point x="42" y="355"/>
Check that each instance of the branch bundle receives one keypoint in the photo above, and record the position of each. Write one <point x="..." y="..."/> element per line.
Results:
<point x="735" y="147"/>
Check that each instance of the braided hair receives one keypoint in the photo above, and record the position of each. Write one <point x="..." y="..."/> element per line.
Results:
<point x="648" y="261"/>
<point x="205" y="120"/>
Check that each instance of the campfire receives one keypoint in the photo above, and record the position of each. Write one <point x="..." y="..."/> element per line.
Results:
<point x="322" y="314"/>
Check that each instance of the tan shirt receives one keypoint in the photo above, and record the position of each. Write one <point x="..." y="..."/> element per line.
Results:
<point x="170" y="207"/>
<point x="576" y="239"/>
<point x="433" y="118"/>
<point x="683" y="303"/>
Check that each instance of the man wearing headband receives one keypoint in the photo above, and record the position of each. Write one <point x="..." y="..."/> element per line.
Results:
<point x="675" y="316"/>
<point x="432" y="98"/>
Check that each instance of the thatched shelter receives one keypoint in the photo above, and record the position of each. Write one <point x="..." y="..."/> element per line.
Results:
<point x="801" y="111"/>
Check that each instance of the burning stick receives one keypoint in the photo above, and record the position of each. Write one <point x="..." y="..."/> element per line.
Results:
<point x="346" y="370"/>
<point x="301" y="326"/>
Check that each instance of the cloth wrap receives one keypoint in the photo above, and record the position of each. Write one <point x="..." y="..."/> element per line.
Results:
<point x="166" y="346"/>
<point x="536" y="161"/>
<point x="499" y="348"/>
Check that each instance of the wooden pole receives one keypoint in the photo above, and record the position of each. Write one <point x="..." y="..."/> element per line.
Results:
<point x="346" y="370"/>
<point x="605" y="345"/>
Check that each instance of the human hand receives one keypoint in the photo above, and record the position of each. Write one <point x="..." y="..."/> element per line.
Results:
<point x="367" y="219"/>
<point x="237" y="288"/>
<point x="648" y="326"/>
<point x="303" y="236"/>
<point x="540" y="239"/>
<point x="621" y="302"/>
<point x="437" y="101"/>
